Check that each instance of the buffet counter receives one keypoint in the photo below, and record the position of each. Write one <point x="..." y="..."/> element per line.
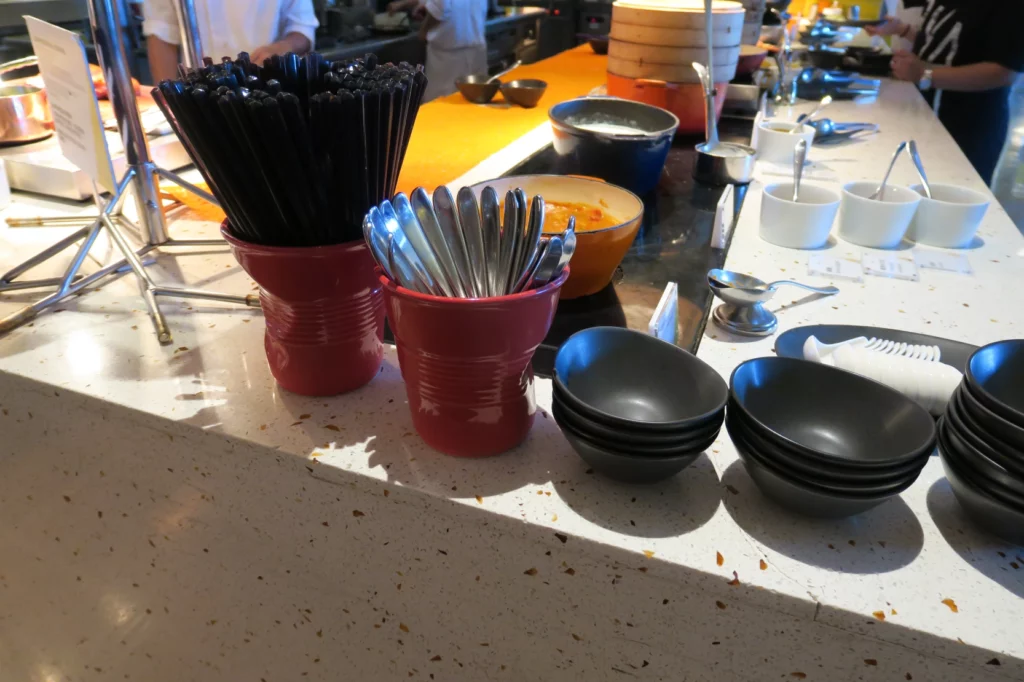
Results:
<point x="170" y="513"/>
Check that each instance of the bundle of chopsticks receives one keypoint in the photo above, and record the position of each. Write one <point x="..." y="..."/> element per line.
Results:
<point x="299" y="149"/>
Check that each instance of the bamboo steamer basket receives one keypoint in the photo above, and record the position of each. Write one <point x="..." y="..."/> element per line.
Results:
<point x="653" y="44"/>
<point x="670" y="73"/>
<point x="752" y="20"/>
<point x="661" y="40"/>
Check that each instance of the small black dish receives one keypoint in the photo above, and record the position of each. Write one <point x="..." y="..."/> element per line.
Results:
<point x="599" y="44"/>
<point x="621" y="438"/>
<point x="628" y="448"/>
<point x="831" y="486"/>
<point x="980" y="480"/>
<point x="984" y="468"/>
<point x="477" y="89"/>
<point x="628" y="468"/>
<point x="801" y="499"/>
<point x="988" y="513"/>
<point x="1004" y="430"/>
<point x="831" y="415"/>
<point x="525" y="92"/>
<point x="626" y="379"/>
<point x="816" y="469"/>
<point x="984" y="445"/>
<point x="995" y="375"/>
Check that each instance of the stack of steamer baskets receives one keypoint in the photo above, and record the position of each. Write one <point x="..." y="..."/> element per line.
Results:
<point x="652" y="48"/>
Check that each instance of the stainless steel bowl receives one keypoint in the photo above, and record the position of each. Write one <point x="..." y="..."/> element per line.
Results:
<point x="718" y="170"/>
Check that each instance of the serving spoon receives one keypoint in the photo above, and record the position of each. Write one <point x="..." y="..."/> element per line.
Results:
<point x="879" y="194"/>
<point x="738" y="289"/>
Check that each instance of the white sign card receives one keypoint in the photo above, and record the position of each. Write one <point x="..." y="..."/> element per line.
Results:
<point x="76" y="111"/>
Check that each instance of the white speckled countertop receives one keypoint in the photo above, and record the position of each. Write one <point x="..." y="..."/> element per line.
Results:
<point x="856" y="599"/>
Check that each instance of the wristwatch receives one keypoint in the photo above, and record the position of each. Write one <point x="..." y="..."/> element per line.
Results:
<point x="926" y="80"/>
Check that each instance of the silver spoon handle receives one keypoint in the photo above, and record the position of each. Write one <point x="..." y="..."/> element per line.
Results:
<point x="827" y="291"/>
<point x="916" y="158"/>
<point x="799" y="157"/>
<point x="880" y="192"/>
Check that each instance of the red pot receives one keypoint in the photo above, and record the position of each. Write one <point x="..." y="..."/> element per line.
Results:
<point x="466" y="364"/>
<point x="685" y="100"/>
<point x="324" y="311"/>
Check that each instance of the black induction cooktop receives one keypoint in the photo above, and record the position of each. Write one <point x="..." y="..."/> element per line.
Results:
<point x="673" y="245"/>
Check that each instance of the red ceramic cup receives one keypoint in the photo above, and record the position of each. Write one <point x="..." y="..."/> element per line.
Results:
<point x="466" y="364"/>
<point x="324" y="311"/>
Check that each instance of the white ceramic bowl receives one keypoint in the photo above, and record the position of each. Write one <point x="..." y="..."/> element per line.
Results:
<point x="873" y="223"/>
<point x="950" y="218"/>
<point x="777" y="144"/>
<point x="803" y="225"/>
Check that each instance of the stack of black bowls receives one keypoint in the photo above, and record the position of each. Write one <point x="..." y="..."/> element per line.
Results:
<point x="635" y="408"/>
<point x="981" y="439"/>
<point x="823" y="442"/>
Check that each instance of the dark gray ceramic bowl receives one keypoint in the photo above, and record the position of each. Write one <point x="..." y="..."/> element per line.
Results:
<point x="986" y="449"/>
<point x="629" y="448"/>
<point x="629" y="437"/>
<point x="984" y="478"/>
<point x="816" y="470"/>
<point x="831" y="415"/>
<point x="767" y="458"/>
<point x="626" y="379"/>
<point x="1003" y="429"/>
<point x="802" y="499"/>
<point x="525" y="92"/>
<point x="995" y="375"/>
<point x="629" y="468"/>
<point x="987" y="512"/>
<point x="476" y="88"/>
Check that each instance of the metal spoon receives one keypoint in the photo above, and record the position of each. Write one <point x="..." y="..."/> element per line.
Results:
<point x="472" y="232"/>
<point x="711" y="122"/>
<point x="825" y="101"/>
<point x="405" y="221"/>
<point x="519" y="247"/>
<point x="498" y="75"/>
<point x="739" y="289"/>
<point x="510" y="235"/>
<point x="548" y="265"/>
<point x="916" y="158"/>
<point x="799" y="158"/>
<point x="879" y="194"/>
<point x="531" y="242"/>
<point x="531" y="267"/>
<point x="424" y="210"/>
<point x="451" y="228"/>
<point x="825" y="128"/>
<point x="568" y="245"/>
<point x="490" y="211"/>
<point x="378" y="239"/>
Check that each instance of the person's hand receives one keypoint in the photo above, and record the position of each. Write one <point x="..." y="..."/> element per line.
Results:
<point x="260" y="53"/>
<point x="907" y="66"/>
<point x="891" y="27"/>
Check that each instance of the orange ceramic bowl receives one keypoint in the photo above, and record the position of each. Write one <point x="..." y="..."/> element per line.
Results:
<point x="598" y="252"/>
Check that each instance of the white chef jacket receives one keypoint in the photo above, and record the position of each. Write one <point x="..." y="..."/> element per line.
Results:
<point x="227" y="27"/>
<point x="457" y="46"/>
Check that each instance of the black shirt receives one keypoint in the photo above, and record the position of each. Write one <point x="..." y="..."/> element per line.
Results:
<point x="961" y="32"/>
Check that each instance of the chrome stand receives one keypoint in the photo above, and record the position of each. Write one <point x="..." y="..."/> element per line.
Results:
<point x="140" y="179"/>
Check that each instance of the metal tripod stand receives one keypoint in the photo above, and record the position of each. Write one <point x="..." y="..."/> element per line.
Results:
<point x="140" y="179"/>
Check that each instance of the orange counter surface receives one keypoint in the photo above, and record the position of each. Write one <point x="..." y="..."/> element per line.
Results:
<point x="453" y="135"/>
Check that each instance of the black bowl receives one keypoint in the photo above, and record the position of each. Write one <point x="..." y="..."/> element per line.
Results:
<point x="988" y="513"/>
<point x="626" y="379"/>
<point x="831" y="485"/>
<point x="619" y="439"/>
<point x="983" y="446"/>
<point x="948" y="446"/>
<point x="599" y="44"/>
<point x="995" y="479"/>
<point x="624" y="447"/>
<point x="1006" y="431"/>
<point x="995" y="375"/>
<point x="800" y="498"/>
<point x="628" y="468"/>
<point x="632" y="155"/>
<point x="831" y="415"/>
<point x="818" y="470"/>
<point x="525" y="92"/>
<point x="476" y="88"/>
